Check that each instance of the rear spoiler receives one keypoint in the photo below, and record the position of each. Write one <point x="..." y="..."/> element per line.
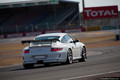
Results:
<point x="47" y="40"/>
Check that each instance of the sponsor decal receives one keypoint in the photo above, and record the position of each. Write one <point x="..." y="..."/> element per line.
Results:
<point x="100" y="12"/>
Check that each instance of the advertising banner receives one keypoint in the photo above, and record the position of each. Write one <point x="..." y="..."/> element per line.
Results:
<point x="100" y="12"/>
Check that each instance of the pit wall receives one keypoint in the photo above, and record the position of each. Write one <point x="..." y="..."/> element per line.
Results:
<point x="110" y="27"/>
<point x="93" y="28"/>
<point x="75" y="30"/>
<point x="25" y="34"/>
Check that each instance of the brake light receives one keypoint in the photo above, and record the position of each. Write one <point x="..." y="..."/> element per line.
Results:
<point x="56" y="49"/>
<point x="26" y="51"/>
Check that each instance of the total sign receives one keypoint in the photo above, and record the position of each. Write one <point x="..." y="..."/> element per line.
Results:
<point x="100" y="12"/>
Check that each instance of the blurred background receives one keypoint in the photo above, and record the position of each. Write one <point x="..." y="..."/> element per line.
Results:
<point x="20" y="16"/>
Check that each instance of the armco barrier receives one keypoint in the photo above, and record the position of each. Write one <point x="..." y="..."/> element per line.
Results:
<point x="93" y="28"/>
<point x="42" y="32"/>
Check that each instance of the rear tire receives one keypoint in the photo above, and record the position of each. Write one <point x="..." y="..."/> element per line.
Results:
<point x="46" y="64"/>
<point x="83" y="55"/>
<point x="69" y="57"/>
<point x="28" y="66"/>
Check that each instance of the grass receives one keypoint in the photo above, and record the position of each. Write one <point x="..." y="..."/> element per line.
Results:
<point x="9" y="50"/>
<point x="96" y="39"/>
<point x="10" y="61"/>
<point x="15" y="48"/>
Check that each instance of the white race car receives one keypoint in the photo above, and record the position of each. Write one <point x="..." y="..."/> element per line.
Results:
<point x="52" y="48"/>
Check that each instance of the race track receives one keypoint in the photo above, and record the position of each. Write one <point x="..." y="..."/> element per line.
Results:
<point x="108" y="61"/>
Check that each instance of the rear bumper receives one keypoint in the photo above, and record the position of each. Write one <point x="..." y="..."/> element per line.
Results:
<point x="54" y="58"/>
<point x="41" y="61"/>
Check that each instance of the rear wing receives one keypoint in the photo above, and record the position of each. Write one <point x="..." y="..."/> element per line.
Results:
<point x="47" y="40"/>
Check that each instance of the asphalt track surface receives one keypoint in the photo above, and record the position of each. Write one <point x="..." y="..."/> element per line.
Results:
<point x="107" y="62"/>
<point x="100" y="61"/>
<point x="81" y="34"/>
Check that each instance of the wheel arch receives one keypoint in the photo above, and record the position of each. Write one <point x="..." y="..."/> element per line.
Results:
<point x="70" y="49"/>
<point x="85" y="48"/>
<point x="69" y="60"/>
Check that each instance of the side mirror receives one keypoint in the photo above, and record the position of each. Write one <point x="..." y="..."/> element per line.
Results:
<point x="76" y="40"/>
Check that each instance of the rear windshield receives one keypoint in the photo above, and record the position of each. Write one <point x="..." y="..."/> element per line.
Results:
<point x="47" y="38"/>
<point x="43" y="39"/>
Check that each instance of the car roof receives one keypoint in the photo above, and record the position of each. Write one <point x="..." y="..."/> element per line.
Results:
<point x="52" y="34"/>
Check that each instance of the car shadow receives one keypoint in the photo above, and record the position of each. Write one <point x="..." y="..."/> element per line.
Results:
<point x="43" y="66"/>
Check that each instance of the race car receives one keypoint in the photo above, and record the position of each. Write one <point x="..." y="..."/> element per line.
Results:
<point x="53" y="48"/>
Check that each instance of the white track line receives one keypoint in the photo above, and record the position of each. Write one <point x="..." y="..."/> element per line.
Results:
<point x="90" y="75"/>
